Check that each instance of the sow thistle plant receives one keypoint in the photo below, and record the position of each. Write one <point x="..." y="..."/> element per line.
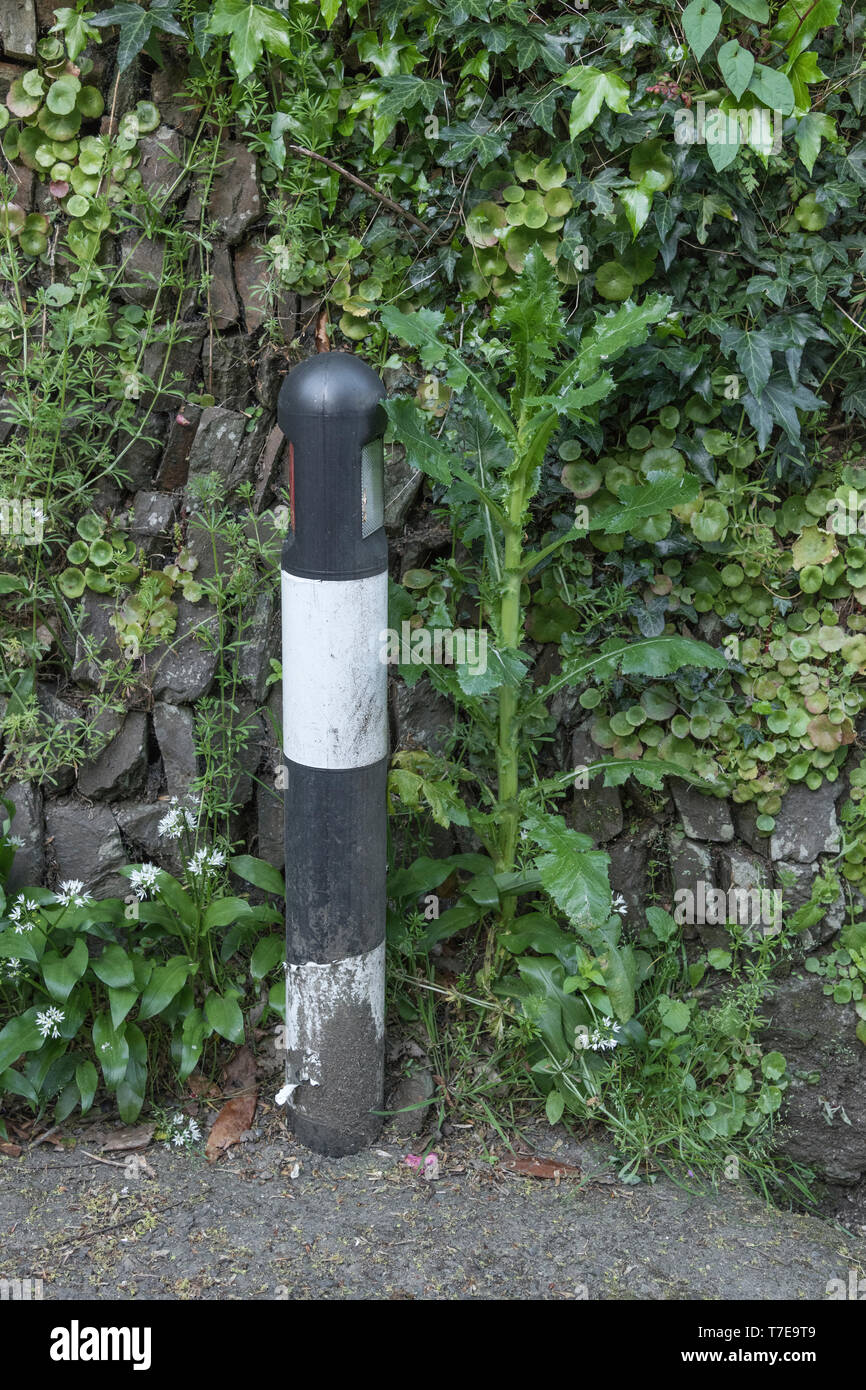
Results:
<point x="564" y="961"/>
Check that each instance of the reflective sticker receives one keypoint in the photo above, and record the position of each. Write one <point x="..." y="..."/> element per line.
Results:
<point x="372" y="487"/>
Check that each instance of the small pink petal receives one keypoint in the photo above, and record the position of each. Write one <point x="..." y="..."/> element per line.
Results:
<point x="412" y="1161"/>
<point x="182" y="420"/>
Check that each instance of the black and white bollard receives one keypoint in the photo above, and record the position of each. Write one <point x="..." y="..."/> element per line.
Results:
<point x="335" y="744"/>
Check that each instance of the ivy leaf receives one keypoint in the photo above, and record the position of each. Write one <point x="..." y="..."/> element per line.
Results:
<point x="797" y="24"/>
<point x="772" y="88"/>
<point x="594" y="90"/>
<point x="637" y="203"/>
<point x="811" y="130"/>
<point x="76" y="30"/>
<point x="778" y="405"/>
<point x="574" y="874"/>
<point x="478" y="139"/>
<point x="753" y="355"/>
<point x="702" y="20"/>
<point x="137" y="26"/>
<point x="737" y="65"/>
<point x="802" y="72"/>
<point x="252" y="29"/>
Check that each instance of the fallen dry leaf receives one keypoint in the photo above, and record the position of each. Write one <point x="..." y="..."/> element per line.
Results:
<point x="10" y="1150"/>
<point x="240" y="1074"/>
<point x="529" y="1167"/>
<point x="235" y="1117"/>
<point x="200" y="1086"/>
<point x="323" y="342"/>
<point x="134" y="1137"/>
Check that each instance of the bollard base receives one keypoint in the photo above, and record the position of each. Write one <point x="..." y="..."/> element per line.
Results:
<point x="332" y="1142"/>
<point x="335" y="1050"/>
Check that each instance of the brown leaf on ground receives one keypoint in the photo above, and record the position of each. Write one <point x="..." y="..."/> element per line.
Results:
<point x="323" y="342"/>
<point x="200" y="1086"/>
<point x="133" y="1137"/>
<point x="235" y="1117"/>
<point x="529" y="1167"/>
<point x="10" y="1150"/>
<point x="240" y="1073"/>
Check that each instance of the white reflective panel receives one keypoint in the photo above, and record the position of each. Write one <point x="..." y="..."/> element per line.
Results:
<point x="335" y="684"/>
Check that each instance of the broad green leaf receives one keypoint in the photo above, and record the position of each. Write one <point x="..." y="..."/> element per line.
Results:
<point x="20" y="945"/>
<point x="662" y="923"/>
<point x="674" y="1014"/>
<point x="259" y="873"/>
<point x="554" y="1013"/>
<point x="618" y="969"/>
<point x="87" y="1078"/>
<point x="132" y="1089"/>
<point x="252" y="29"/>
<point x="114" y="967"/>
<point x="594" y="90"/>
<point x="186" y="1044"/>
<point x="268" y="953"/>
<point x="758" y="10"/>
<point x="224" y="911"/>
<point x="554" y="1106"/>
<point x="772" y="88"/>
<point x="572" y="872"/>
<point x="120" y="1001"/>
<point x="737" y="65"/>
<point x="19" y="1035"/>
<point x="177" y="899"/>
<point x="701" y="21"/>
<point x="112" y="1050"/>
<point x="165" y="982"/>
<point x="62" y="973"/>
<point x="15" y="1083"/>
<point x="225" y="1017"/>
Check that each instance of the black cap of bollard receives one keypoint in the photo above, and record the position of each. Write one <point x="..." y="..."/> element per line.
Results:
<point x="330" y="410"/>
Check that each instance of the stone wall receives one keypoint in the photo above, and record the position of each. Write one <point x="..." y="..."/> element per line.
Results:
<point x="100" y="815"/>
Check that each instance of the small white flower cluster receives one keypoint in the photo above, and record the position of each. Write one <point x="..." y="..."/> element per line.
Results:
<point x="47" y="1022"/>
<point x="142" y="879"/>
<point x="15" y="841"/>
<point x="619" y="905"/>
<point x="20" y="906"/>
<point x="72" y="893"/>
<point x="13" y="967"/>
<point x="205" y="859"/>
<point x="183" y="1132"/>
<point x="176" y="820"/>
<point x="596" y="1041"/>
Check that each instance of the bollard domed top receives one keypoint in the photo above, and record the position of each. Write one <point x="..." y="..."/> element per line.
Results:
<point x="329" y="384"/>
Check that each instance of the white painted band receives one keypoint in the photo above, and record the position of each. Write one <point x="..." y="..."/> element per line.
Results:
<point x="316" y="995"/>
<point x="335" y="685"/>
